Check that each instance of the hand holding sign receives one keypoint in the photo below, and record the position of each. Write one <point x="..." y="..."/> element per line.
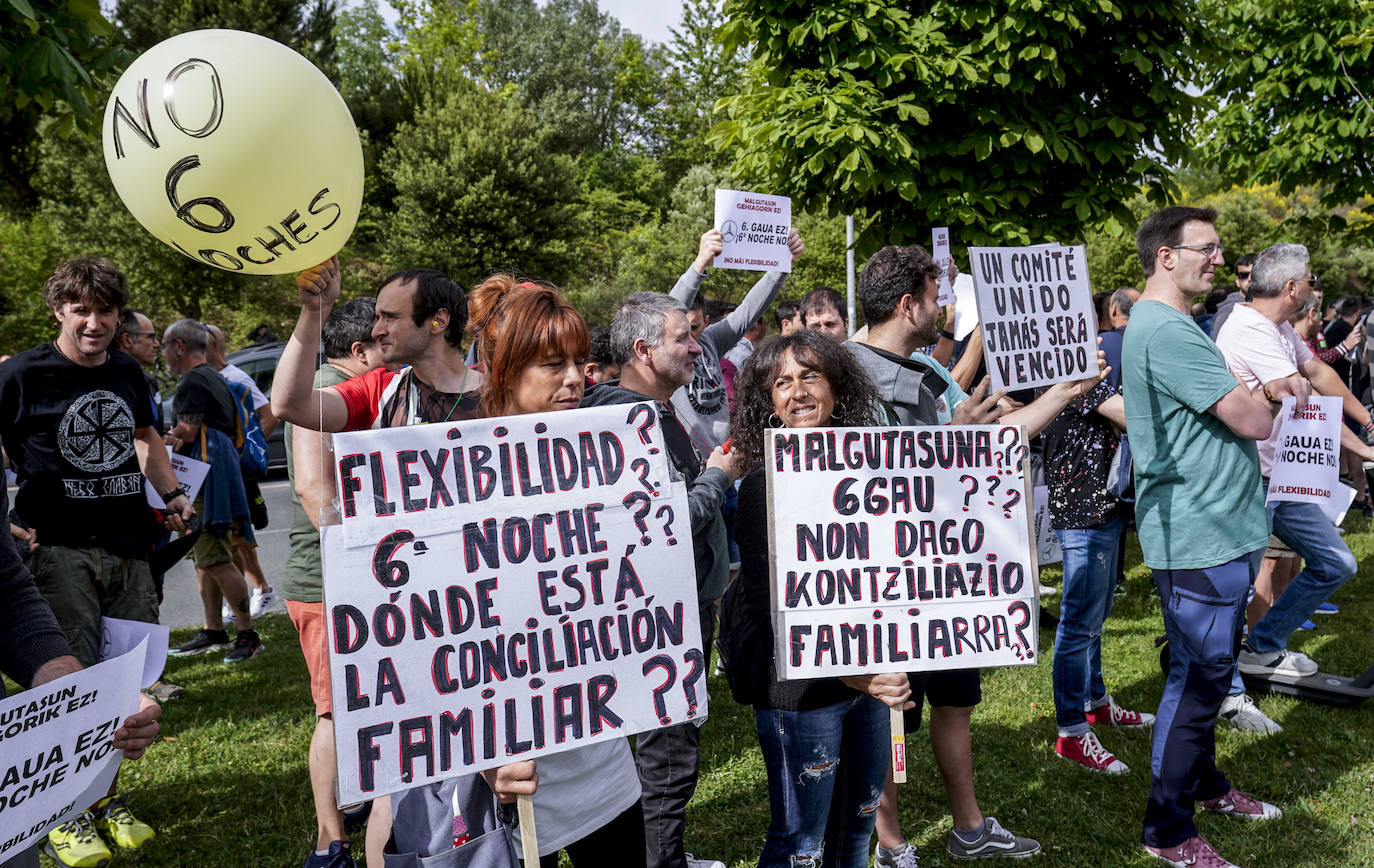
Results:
<point x="245" y="158"/>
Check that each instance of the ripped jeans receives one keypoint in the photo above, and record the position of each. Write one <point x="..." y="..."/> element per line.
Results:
<point x="826" y="770"/>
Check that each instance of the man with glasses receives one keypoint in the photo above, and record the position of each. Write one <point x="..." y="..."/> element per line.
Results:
<point x="205" y="422"/>
<point x="1244" y="265"/>
<point x="135" y="335"/>
<point x="1191" y="423"/>
<point x="1261" y="346"/>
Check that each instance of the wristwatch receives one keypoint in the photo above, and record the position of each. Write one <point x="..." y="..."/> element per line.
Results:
<point x="175" y="492"/>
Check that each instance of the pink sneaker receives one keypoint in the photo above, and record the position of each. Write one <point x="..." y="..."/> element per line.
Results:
<point x="1239" y="804"/>
<point x="1113" y="714"/>
<point x="1088" y="752"/>
<point x="1193" y="853"/>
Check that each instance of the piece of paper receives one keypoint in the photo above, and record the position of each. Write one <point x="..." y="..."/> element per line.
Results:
<point x="118" y="636"/>
<point x="1035" y="309"/>
<point x="513" y="588"/>
<point x="1339" y="503"/>
<point x="754" y="228"/>
<point x="1046" y="540"/>
<point x="939" y="251"/>
<point x="58" y="756"/>
<point x="965" y="307"/>
<point x="1307" y="458"/>
<point x="900" y="550"/>
<point x="189" y="472"/>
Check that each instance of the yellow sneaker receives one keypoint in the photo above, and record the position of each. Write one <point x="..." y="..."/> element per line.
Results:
<point x="119" y="826"/>
<point x="75" y="843"/>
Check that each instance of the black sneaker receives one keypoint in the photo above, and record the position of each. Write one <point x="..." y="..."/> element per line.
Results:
<point x="245" y="645"/>
<point x="203" y="643"/>
<point x="994" y="841"/>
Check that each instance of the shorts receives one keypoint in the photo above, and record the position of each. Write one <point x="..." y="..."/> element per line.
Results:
<point x="211" y="548"/>
<point x="1277" y="548"/>
<point x="953" y="688"/>
<point x="81" y="585"/>
<point x="309" y="621"/>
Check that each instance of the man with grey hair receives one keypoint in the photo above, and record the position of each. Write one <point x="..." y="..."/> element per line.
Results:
<point x="205" y="421"/>
<point x="653" y="341"/>
<point x="1261" y="347"/>
<point x="1119" y="306"/>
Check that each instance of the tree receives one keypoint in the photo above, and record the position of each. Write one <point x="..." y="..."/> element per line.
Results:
<point x="54" y="57"/>
<point x="479" y="189"/>
<point x="1015" y="120"/>
<point x="1293" y="95"/>
<point x="304" y="25"/>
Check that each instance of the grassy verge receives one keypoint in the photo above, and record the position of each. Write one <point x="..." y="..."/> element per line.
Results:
<point x="228" y="786"/>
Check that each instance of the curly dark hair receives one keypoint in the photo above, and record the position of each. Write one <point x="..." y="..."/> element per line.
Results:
<point x="856" y="401"/>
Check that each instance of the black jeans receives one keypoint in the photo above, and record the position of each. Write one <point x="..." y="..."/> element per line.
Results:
<point x="620" y="842"/>
<point x="669" y="762"/>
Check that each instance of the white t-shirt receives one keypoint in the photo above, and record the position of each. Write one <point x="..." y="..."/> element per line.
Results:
<point x="235" y="374"/>
<point x="582" y="790"/>
<point x="1259" y="351"/>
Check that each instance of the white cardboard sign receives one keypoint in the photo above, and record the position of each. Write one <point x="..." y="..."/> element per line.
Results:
<point x="189" y="472"/>
<point x="57" y="747"/>
<point x="754" y="228"/>
<point x="1307" y="458"/>
<point x="939" y="251"/>
<point x="517" y="624"/>
<point x="1036" y="310"/>
<point x="119" y="636"/>
<point x="1046" y="540"/>
<point x="900" y="550"/>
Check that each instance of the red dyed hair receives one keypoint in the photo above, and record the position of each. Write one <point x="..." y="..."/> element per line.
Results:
<point x="517" y="325"/>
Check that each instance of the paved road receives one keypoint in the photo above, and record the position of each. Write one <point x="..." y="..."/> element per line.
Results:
<point x="181" y="601"/>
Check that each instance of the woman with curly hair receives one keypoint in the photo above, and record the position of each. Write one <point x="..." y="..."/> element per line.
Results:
<point x="532" y="346"/>
<point x="824" y="740"/>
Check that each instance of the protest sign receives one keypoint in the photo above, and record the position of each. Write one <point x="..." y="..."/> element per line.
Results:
<point x="754" y="229"/>
<point x="530" y="590"/>
<point x="56" y="740"/>
<point x="900" y="549"/>
<point x="119" y="636"/>
<point x="939" y="251"/>
<point x="190" y="475"/>
<point x="1307" y="457"/>
<point x="1035" y="308"/>
<point x="1339" y="504"/>
<point x="965" y="307"/>
<point x="1046" y="541"/>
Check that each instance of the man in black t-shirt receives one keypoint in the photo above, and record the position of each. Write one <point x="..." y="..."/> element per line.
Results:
<point x="204" y="425"/>
<point x="76" y="421"/>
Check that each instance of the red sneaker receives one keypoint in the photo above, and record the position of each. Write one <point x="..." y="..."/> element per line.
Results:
<point x="1088" y="752"/>
<point x="1193" y="853"/>
<point x="1244" y="805"/>
<point x="1113" y="714"/>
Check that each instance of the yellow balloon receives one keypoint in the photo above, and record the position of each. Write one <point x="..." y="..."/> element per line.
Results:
<point x="235" y="150"/>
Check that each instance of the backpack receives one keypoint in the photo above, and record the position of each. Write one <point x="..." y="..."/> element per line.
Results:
<point x="248" y="436"/>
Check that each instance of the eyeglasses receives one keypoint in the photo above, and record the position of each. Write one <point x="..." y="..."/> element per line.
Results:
<point x="149" y="335"/>
<point x="1242" y="275"/>
<point x="1207" y="250"/>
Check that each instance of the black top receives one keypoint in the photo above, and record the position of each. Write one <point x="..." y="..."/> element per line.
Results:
<point x="29" y="634"/>
<point x="202" y="392"/>
<point x="69" y="431"/>
<point x="1079" y="445"/>
<point x="751" y="532"/>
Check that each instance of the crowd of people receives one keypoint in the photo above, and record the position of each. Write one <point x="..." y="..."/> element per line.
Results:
<point x="1191" y="376"/>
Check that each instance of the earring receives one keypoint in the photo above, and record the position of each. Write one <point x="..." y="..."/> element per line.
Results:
<point x="436" y="323"/>
<point x="840" y="411"/>
<point x="774" y="421"/>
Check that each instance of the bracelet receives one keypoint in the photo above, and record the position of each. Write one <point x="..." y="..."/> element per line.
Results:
<point x="947" y="334"/>
<point x="1272" y="399"/>
<point x="173" y="493"/>
<point x="1369" y="427"/>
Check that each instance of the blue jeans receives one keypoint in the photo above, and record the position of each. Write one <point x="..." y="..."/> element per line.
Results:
<point x="1203" y="613"/>
<point x="1089" y="583"/>
<point x="826" y="769"/>
<point x="1329" y="564"/>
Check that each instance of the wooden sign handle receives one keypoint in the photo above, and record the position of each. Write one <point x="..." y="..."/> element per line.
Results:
<point x="898" y="746"/>
<point x="529" y="843"/>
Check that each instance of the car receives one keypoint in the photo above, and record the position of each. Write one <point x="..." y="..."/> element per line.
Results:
<point x="258" y="361"/>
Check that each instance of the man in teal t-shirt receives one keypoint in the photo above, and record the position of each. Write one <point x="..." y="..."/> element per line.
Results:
<point x="1200" y="512"/>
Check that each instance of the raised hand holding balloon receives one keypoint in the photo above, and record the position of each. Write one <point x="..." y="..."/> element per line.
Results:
<point x="236" y="151"/>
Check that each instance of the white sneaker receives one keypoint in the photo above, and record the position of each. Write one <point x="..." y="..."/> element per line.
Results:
<point x="260" y="601"/>
<point x="694" y="862"/>
<point x="1242" y="713"/>
<point x="898" y="857"/>
<point x="1048" y="590"/>
<point x="226" y="612"/>
<point x="1290" y="664"/>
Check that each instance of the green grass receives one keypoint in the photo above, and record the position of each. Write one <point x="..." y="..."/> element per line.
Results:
<point x="227" y="784"/>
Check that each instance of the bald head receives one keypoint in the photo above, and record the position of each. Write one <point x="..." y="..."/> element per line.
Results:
<point x="214" y="351"/>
